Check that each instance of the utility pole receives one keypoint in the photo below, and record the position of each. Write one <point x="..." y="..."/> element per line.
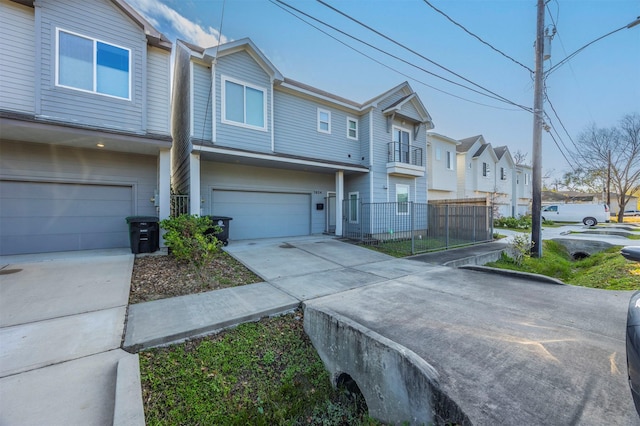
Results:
<point x="536" y="219"/>
<point x="609" y="179"/>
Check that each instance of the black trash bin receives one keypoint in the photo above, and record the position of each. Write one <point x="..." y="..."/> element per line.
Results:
<point x="144" y="234"/>
<point x="223" y="223"/>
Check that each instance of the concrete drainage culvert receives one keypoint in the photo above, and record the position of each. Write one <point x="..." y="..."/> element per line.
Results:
<point x="398" y="386"/>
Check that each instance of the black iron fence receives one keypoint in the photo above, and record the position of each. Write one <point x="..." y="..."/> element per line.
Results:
<point x="410" y="228"/>
<point x="404" y="153"/>
<point x="179" y="205"/>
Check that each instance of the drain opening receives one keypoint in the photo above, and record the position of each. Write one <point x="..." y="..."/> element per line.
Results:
<point x="9" y="271"/>
<point x="579" y="255"/>
<point x="351" y="394"/>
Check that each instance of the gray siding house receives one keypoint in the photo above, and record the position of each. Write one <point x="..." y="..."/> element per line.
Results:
<point x="84" y="119"/>
<point x="275" y="154"/>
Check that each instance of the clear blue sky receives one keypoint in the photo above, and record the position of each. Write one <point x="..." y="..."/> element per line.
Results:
<point x="600" y="85"/>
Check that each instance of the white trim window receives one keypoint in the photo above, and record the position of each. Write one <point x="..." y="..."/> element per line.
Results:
<point x="402" y="145"/>
<point x="438" y="154"/>
<point x="243" y="104"/>
<point x="352" y="128"/>
<point x="94" y="66"/>
<point x="503" y="173"/>
<point x="449" y="160"/>
<point x="354" y="201"/>
<point x="402" y="199"/>
<point x="324" y="121"/>
<point x="527" y="178"/>
<point x="486" y="171"/>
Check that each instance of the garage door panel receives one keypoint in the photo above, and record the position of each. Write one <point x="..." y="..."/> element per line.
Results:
<point x="258" y="214"/>
<point x="37" y="217"/>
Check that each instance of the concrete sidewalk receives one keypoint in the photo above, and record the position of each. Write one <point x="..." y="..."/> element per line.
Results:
<point x="61" y="324"/>
<point x="294" y="270"/>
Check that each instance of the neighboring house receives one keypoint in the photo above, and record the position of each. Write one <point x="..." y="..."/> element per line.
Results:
<point x="476" y="168"/>
<point x="84" y="119"/>
<point x="504" y="181"/>
<point x="523" y="193"/>
<point x="441" y="166"/>
<point x="275" y="154"/>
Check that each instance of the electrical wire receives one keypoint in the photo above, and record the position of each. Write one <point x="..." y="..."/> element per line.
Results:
<point x="476" y="36"/>
<point x="560" y="149"/>
<point x="571" y="56"/>
<point x="546" y="95"/>
<point x="388" y="66"/>
<point x="495" y="95"/>
<point x="215" y="59"/>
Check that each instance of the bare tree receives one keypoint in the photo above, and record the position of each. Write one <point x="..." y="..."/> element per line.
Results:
<point x="520" y="157"/>
<point x="616" y="149"/>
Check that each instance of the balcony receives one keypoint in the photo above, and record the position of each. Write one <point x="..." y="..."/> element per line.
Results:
<point x="404" y="160"/>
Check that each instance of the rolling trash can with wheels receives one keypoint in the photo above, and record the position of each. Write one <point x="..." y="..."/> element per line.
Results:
<point x="223" y="223"/>
<point x="144" y="234"/>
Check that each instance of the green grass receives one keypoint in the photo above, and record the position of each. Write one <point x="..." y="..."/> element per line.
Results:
<point x="402" y="247"/>
<point x="264" y="373"/>
<point x="605" y="270"/>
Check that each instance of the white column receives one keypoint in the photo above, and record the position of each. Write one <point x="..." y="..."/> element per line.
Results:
<point x="164" y="188"/>
<point x="339" y="201"/>
<point x="194" y="185"/>
<point x="164" y="184"/>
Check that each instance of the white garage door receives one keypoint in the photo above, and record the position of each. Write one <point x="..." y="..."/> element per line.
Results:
<point x="38" y="217"/>
<point x="263" y="214"/>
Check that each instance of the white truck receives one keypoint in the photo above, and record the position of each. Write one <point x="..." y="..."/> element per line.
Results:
<point x="589" y="214"/>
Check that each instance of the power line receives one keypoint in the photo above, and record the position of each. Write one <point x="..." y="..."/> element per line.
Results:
<point x="385" y="65"/>
<point x="546" y="95"/>
<point x="412" y="51"/>
<point x="568" y="58"/>
<point x="476" y="36"/>
<point x="558" y="146"/>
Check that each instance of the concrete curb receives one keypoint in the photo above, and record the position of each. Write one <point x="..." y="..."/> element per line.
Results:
<point x="475" y="260"/>
<point x="397" y="384"/>
<point x="128" y="409"/>
<point x="514" y="274"/>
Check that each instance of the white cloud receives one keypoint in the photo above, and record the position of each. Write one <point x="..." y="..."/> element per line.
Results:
<point x="155" y="11"/>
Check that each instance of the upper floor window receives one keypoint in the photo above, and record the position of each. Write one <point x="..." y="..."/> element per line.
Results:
<point x="438" y="154"/>
<point x="503" y="173"/>
<point x="243" y="104"/>
<point x="486" y="171"/>
<point x="527" y="178"/>
<point x="402" y="199"/>
<point x="87" y="64"/>
<point x="324" y="121"/>
<point x="449" y="160"/>
<point x="352" y="128"/>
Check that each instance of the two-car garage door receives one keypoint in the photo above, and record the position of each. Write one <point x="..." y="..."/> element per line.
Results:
<point x="37" y="217"/>
<point x="258" y="214"/>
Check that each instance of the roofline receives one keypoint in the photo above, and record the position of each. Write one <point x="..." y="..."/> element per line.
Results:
<point x="443" y="137"/>
<point x="248" y="45"/>
<point x="154" y="37"/>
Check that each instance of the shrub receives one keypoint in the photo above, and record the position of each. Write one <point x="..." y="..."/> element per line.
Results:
<point x="189" y="241"/>
<point x="522" y="222"/>
<point x="520" y="248"/>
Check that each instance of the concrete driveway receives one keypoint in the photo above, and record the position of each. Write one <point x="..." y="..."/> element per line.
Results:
<point x="61" y="324"/>
<point x="507" y="351"/>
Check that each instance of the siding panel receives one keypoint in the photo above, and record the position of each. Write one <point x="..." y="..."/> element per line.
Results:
<point x="158" y="98"/>
<point x="201" y="102"/>
<point x="17" y="67"/>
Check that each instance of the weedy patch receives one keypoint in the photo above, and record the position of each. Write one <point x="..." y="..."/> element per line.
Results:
<point x="264" y="373"/>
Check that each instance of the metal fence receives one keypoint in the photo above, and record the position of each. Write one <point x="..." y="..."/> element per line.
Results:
<point x="179" y="205"/>
<point x="410" y="228"/>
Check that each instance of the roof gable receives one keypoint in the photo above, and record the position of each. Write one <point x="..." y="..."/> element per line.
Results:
<point x="246" y="45"/>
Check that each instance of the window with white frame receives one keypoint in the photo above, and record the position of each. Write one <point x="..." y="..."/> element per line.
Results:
<point x="486" y="171"/>
<point x="353" y="206"/>
<point x="503" y="173"/>
<point x="87" y="64"/>
<point x="352" y="128"/>
<point x="449" y="160"/>
<point x="401" y="145"/>
<point x="438" y="154"/>
<point x="402" y="199"/>
<point x="324" y="121"/>
<point x="527" y="178"/>
<point x="243" y="104"/>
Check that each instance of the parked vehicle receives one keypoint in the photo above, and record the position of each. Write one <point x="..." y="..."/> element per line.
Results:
<point x="589" y="214"/>
<point x="632" y="212"/>
<point x="633" y="333"/>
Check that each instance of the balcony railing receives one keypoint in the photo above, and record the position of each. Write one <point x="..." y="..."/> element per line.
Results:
<point x="404" y="153"/>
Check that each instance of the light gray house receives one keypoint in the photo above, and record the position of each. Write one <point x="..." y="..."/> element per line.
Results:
<point x="275" y="154"/>
<point x="84" y="124"/>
